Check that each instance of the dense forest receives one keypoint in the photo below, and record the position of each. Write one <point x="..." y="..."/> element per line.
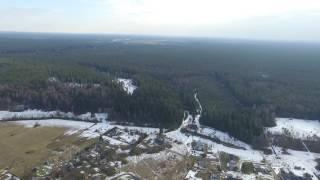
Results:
<point x="242" y="85"/>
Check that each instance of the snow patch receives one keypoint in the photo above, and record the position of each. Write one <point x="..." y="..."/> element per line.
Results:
<point x="224" y="137"/>
<point x="26" y="114"/>
<point x="127" y="85"/>
<point x="297" y="162"/>
<point x="192" y="175"/>
<point x="161" y="156"/>
<point x="238" y="175"/>
<point x="87" y="129"/>
<point x="296" y="128"/>
<point x="39" y="114"/>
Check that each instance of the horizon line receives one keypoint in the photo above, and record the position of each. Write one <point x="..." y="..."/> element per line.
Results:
<point x="166" y="36"/>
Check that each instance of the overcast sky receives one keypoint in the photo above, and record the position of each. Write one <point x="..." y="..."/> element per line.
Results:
<point x="254" y="19"/>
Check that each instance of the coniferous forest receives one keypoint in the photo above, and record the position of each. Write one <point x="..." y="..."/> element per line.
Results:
<point x="242" y="85"/>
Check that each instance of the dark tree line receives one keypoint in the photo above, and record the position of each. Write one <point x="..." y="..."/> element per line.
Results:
<point x="245" y="124"/>
<point x="153" y="103"/>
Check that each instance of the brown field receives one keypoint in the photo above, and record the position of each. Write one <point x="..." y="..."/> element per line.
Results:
<point x="22" y="148"/>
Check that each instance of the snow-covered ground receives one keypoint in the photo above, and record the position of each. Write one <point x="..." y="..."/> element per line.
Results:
<point x="127" y="85"/>
<point x="72" y="84"/>
<point x="296" y="128"/>
<point x="177" y="135"/>
<point x="247" y="176"/>
<point x="160" y="156"/>
<point x="38" y="114"/>
<point x="224" y="137"/>
<point x="293" y="161"/>
<point x="288" y="162"/>
<point x="207" y="131"/>
<point x="192" y="175"/>
<point x="199" y="111"/>
<point x="27" y="114"/>
<point x="297" y="162"/>
<point x="85" y="129"/>
<point x="248" y="154"/>
<point x="72" y="126"/>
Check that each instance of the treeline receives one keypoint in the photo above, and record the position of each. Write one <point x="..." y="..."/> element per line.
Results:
<point x="246" y="124"/>
<point x="80" y="90"/>
<point x="151" y="106"/>
<point x="58" y="96"/>
<point x="288" y="98"/>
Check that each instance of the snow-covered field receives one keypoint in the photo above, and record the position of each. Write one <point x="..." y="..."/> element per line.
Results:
<point x="38" y="114"/>
<point x="85" y="129"/>
<point x="248" y="154"/>
<point x="127" y="85"/>
<point x="224" y="137"/>
<point x="297" y="162"/>
<point x="296" y="128"/>
<point x="288" y="162"/>
<point x="293" y="161"/>
<point x="27" y="114"/>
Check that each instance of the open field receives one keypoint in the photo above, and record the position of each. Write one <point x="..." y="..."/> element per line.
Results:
<point x="22" y="148"/>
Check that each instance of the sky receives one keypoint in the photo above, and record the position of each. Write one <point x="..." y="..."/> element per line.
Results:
<point x="248" y="19"/>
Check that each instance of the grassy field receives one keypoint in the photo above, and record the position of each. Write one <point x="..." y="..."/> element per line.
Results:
<point x="22" y="148"/>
